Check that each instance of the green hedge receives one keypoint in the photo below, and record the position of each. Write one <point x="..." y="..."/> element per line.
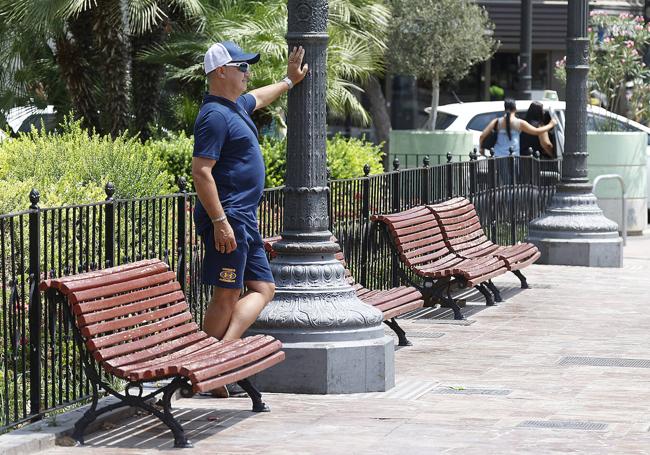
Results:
<point x="73" y="167"/>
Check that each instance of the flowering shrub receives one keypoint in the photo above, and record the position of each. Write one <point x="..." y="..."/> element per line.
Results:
<point x="616" y="46"/>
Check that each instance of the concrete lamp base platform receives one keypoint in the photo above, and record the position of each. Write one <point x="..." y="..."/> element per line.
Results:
<point x="331" y="367"/>
<point x="574" y="231"/>
<point x="586" y="252"/>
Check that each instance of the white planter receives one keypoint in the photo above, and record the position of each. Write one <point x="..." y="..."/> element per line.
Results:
<point x="622" y="153"/>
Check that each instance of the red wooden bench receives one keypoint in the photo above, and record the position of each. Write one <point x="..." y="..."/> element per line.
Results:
<point x="134" y="323"/>
<point x="419" y="244"/>
<point x="464" y="235"/>
<point x="391" y="302"/>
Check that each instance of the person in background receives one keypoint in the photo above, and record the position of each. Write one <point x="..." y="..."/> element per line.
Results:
<point x="542" y="142"/>
<point x="510" y="128"/>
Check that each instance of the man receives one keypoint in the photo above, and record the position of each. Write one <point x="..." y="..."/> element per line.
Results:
<point x="228" y="171"/>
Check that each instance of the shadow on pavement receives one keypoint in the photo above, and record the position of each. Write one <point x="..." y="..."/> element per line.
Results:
<point x="144" y="431"/>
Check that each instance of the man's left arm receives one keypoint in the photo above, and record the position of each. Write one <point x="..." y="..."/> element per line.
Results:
<point x="295" y="72"/>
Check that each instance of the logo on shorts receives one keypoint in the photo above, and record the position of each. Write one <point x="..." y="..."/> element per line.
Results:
<point x="227" y="275"/>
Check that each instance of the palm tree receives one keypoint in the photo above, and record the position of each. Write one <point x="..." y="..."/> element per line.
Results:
<point x="89" y="42"/>
<point x="357" y="30"/>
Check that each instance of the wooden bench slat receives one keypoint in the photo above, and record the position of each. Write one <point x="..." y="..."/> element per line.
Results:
<point x="142" y="364"/>
<point x="135" y="322"/>
<point x="57" y="283"/>
<point x="230" y="363"/>
<point x="87" y="308"/>
<point x="424" y="241"/>
<point x="131" y="308"/>
<point x="170" y="365"/>
<point x="240" y="374"/>
<point x="104" y="354"/>
<point x="211" y="354"/>
<point x="118" y="288"/>
<point x="394" y="303"/>
<point x="142" y="331"/>
<point x="437" y="249"/>
<point x="113" y="278"/>
<point x="389" y="314"/>
<point x="194" y="339"/>
<point x="232" y="350"/>
<point x="428" y="226"/>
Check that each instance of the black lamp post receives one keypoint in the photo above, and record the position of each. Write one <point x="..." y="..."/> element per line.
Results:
<point x="526" y="49"/>
<point x="334" y="342"/>
<point x="573" y="230"/>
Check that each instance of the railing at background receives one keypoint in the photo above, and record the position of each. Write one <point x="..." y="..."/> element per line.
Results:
<point x="39" y="368"/>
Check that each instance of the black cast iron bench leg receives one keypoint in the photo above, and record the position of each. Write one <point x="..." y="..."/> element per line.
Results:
<point x="401" y="335"/>
<point x="489" y="301"/>
<point x="255" y="396"/>
<point x="522" y="279"/>
<point x="497" y="295"/>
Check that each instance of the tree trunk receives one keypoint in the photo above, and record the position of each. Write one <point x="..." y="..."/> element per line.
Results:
<point x="435" y="97"/>
<point x="77" y="74"/>
<point x="146" y="82"/>
<point x="379" y="113"/>
<point x="112" y="45"/>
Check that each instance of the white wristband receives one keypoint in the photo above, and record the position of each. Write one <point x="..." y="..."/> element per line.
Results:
<point x="288" y="82"/>
<point x="218" y="219"/>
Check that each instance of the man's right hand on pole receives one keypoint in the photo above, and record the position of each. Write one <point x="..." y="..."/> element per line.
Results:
<point x="224" y="237"/>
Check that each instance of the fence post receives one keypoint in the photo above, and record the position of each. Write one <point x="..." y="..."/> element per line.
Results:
<point x="182" y="235"/>
<point x="109" y="226"/>
<point x="395" y="206"/>
<point x="493" y="186"/>
<point x="395" y="190"/>
<point x="426" y="181"/>
<point x="450" y="177"/>
<point x="365" y="232"/>
<point x="330" y="215"/>
<point x="34" y="305"/>
<point x="472" y="174"/>
<point x="513" y="202"/>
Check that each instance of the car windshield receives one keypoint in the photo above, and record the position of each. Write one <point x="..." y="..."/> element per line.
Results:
<point x="443" y="120"/>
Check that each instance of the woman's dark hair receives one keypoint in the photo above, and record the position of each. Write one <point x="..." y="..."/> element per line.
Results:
<point x="547" y="118"/>
<point x="509" y="106"/>
<point x="535" y="114"/>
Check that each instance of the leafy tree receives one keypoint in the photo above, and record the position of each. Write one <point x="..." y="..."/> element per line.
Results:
<point x="89" y="44"/>
<point x="439" y="40"/>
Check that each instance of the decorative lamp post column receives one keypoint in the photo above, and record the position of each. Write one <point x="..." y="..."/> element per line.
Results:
<point x="526" y="49"/>
<point x="334" y="342"/>
<point x="573" y="230"/>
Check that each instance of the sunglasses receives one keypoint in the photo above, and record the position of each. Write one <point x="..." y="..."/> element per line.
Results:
<point x="244" y="67"/>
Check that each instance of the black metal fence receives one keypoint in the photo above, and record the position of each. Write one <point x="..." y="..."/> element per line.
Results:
<point x="39" y="367"/>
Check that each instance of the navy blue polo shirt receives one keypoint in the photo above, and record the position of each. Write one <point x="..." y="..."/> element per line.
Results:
<point x="222" y="135"/>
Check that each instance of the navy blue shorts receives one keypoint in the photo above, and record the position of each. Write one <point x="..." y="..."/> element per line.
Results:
<point x="247" y="263"/>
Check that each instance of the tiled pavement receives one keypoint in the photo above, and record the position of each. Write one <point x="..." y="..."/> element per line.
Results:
<point x="494" y="386"/>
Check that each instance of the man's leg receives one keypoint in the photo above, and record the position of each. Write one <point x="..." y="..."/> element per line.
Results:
<point x="219" y="312"/>
<point x="247" y="308"/>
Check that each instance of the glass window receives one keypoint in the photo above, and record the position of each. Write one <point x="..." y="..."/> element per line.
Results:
<point x="480" y="121"/>
<point x="443" y="120"/>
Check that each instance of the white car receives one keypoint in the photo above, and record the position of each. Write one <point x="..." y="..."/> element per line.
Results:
<point x="474" y="117"/>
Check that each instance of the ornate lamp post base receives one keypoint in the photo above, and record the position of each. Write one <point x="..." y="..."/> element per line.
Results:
<point x="334" y="342"/>
<point x="574" y="231"/>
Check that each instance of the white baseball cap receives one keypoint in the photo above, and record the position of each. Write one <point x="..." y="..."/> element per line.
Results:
<point x="221" y="53"/>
